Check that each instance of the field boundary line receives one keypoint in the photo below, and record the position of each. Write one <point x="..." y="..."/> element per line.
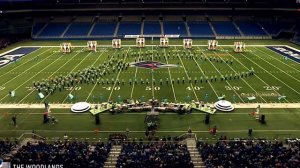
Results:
<point x="254" y="74"/>
<point x="10" y="51"/>
<point x="242" y="78"/>
<point x="98" y="78"/>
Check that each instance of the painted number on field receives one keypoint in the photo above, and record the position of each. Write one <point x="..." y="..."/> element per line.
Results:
<point x="155" y="88"/>
<point x="195" y="88"/>
<point x="232" y="87"/>
<point x="272" y="88"/>
<point x="73" y="88"/>
<point x="2" y="88"/>
<point x="112" y="88"/>
<point x="30" y="88"/>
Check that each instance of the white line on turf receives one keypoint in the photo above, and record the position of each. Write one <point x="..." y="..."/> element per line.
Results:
<point x="241" y="78"/>
<point x="225" y="80"/>
<point x="25" y="71"/>
<point x="112" y="90"/>
<point x="136" y="69"/>
<point x="272" y="74"/>
<point x="188" y="77"/>
<point x="90" y="93"/>
<point x="51" y="75"/>
<point x="152" y="75"/>
<point x="170" y="77"/>
<point x="254" y="74"/>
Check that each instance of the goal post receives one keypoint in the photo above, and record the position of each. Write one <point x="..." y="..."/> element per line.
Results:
<point x="116" y="43"/>
<point x="92" y="45"/>
<point x="65" y="47"/>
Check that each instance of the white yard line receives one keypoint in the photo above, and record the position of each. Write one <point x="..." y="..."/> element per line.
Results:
<point x="242" y="78"/>
<point x="152" y="71"/>
<point x="188" y="78"/>
<point x="112" y="90"/>
<point x="170" y="77"/>
<point x="254" y="74"/>
<point x="272" y="75"/>
<point x="136" y="69"/>
<point x="97" y="79"/>
<point x="24" y="62"/>
<point x="50" y="76"/>
<point x="277" y="58"/>
<point x="277" y="67"/>
<point x="225" y="80"/>
<point x="26" y="70"/>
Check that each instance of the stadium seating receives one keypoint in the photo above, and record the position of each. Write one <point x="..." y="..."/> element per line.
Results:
<point x="152" y="27"/>
<point x="73" y="154"/>
<point x="78" y="29"/>
<point x="275" y="27"/>
<point x="6" y="146"/>
<point x="225" y="28"/>
<point x="249" y="154"/>
<point x="175" y="28"/>
<point x="150" y="155"/>
<point x="54" y="29"/>
<point x="250" y="28"/>
<point x="37" y="28"/>
<point x="104" y="29"/>
<point x="201" y="29"/>
<point x="129" y="28"/>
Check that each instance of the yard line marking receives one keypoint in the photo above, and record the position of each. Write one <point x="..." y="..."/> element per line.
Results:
<point x="26" y="70"/>
<point x="136" y="69"/>
<point x="26" y="61"/>
<point x="221" y="75"/>
<point x="188" y="77"/>
<point x="112" y="90"/>
<point x="276" y="67"/>
<point x="205" y="75"/>
<point x="152" y="72"/>
<point x="170" y="77"/>
<point x="254" y="74"/>
<point x="272" y="75"/>
<point x="242" y="78"/>
<point x="97" y="79"/>
<point x="50" y="76"/>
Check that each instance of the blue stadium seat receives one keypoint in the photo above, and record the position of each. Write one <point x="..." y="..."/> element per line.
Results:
<point x="152" y="27"/>
<point x="129" y="28"/>
<point x="37" y="27"/>
<point x="200" y="29"/>
<point x="225" y="28"/>
<point x="104" y="29"/>
<point x="78" y="29"/>
<point x="250" y="28"/>
<point x="274" y="28"/>
<point x="54" y="29"/>
<point x="175" y="28"/>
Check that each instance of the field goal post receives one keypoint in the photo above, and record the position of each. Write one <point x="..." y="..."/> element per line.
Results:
<point x="239" y="47"/>
<point x="65" y="47"/>
<point x="116" y="43"/>
<point x="212" y="45"/>
<point x="92" y="45"/>
<point x="187" y="43"/>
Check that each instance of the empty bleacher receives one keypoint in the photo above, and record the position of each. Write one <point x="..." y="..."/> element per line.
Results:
<point x="200" y="29"/>
<point x="129" y="28"/>
<point x="175" y="27"/>
<point x="250" y="28"/>
<point x="104" y="29"/>
<point x="78" y="29"/>
<point x="225" y="28"/>
<point x="151" y="27"/>
<point x="54" y="29"/>
<point x="275" y="27"/>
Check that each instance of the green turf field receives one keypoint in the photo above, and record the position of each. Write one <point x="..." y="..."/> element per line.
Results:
<point x="274" y="76"/>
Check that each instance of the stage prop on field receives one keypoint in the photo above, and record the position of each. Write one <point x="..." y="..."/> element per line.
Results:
<point x="66" y="47"/>
<point x="140" y="42"/>
<point x="187" y="43"/>
<point x="239" y="47"/>
<point x="212" y="44"/>
<point x="164" y="42"/>
<point x="92" y="45"/>
<point x="116" y="43"/>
